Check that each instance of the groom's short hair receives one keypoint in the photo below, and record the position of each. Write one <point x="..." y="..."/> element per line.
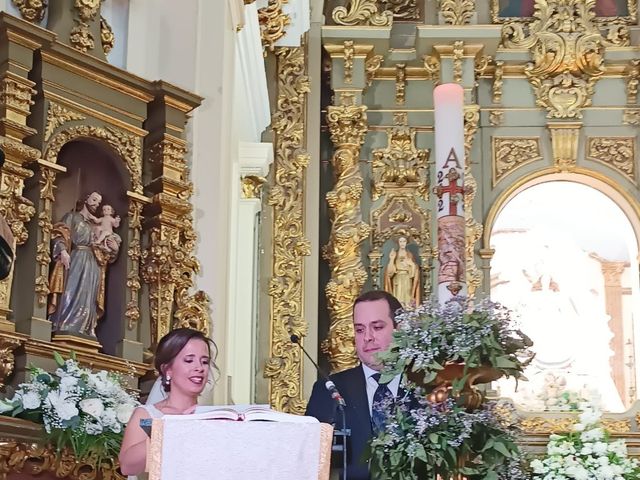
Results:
<point x="395" y="307"/>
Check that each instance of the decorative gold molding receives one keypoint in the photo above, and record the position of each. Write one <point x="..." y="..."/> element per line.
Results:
<point x="290" y="246"/>
<point x="347" y="126"/>
<point x="9" y="342"/>
<point x="134" y="252"/>
<point x="473" y="228"/>
<point x="37" y="459"/>
<point x="511" y="153"/>
<point x="273" y="21"/>
<point x="31" y="10"/>
<point x="127" y="145"/>
<point x="496" y="117"/>
<point x="615" y="152"/>
<point x="371" y="66"/>
<point x="631" y="116"/>
<point x="458" y="53"/>
<point x="58" y="116"/>
<point x="402" y="9"/>
<point x="400" y="164"/>
<point x="457" y="12"/>
<point x="43" y="257"/>
<point x="432" y="66"/>
<point x="107" y="37"/>
<point x="348" y="61"/>
<point x="632" y="75"/>
<point x="252" y="186"/>
<point x="361" y="12"/>
<point x="401" y="83"/>
<point x="496" y="87"/>
<point x="15" y="96"/>
<point x="546" y="425"/>
<point x="80" y="36"/>
<point x="564" y="144"/>
<point x="568" y="54"/>
<point x="613" y="22"/>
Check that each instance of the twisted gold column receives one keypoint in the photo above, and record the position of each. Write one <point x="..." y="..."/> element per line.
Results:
<point x="348" y="126"/>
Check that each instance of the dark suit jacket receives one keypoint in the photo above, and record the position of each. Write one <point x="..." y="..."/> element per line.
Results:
<point x="351" y="384"/>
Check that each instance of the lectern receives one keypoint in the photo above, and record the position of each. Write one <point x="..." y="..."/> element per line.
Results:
<point x="237" y="450"/>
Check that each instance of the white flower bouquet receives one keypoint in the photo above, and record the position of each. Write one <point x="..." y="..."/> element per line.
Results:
<point x="586" y="453"/>
<point x="80" y="409"/>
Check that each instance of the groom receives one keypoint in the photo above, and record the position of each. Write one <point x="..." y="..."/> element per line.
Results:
<point x="373" y="323"/>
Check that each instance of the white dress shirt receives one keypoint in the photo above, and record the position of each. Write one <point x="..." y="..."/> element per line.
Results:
<point x="372" y="385"/>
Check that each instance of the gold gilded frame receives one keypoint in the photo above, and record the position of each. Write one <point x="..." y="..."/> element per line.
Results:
<point x="629" y="19"/>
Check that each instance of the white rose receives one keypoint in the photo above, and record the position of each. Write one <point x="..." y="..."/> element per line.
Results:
<point x="538" y="467"/>
<point x="109" y="417"/>
<point x="67" y="382"/>
<point x="31" y="400"/>
<point x="92" y="406"/>
<point x="93" y="428"/>
<point x="124" y="412"/>
<point x="66" y="410"/>
<point x="600" y="448"/>
<point x="578" y="427"/>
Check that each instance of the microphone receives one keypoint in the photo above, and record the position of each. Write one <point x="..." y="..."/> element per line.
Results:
<point x="329" y="385"/>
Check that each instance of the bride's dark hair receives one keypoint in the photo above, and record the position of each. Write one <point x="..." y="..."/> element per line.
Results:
<point x="172" y="343"/>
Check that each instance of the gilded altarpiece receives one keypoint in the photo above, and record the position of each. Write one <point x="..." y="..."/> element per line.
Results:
<point x="67" y="115"/>
<point x="550" y="95"/>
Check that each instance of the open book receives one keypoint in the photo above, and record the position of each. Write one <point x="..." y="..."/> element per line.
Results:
<point x="247" y="413"/>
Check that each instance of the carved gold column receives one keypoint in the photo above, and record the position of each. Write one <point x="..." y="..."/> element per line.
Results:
<point x="348" y="126"/>
<point x="290" y="246"/>
<point x="473" y="228"/>
<point x="16" y="91"/>
<point x="168" y="264"/>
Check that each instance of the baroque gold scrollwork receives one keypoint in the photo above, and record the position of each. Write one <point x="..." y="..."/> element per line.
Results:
<point x="8" y="344"/>
<point x="57" y="116"/>
<point x="31" y="10"/>
<point x="107" y="37"/>
<point x="568" y="54"/>
<point x="473" y="228"/>
<point x="615" y="152"/>
<point x="632" y="74"/>
<point x="401" y="83"/>
<point x="371" y="66"/>
<point x="347" y="126"/>
<point x="402" y="9"/>
<point x="20" y="457"/>
<point x="127" y="145"/>
<point x="400" y="163"/>
<point x="273" y="22"/>
<point x="43" y="257"/>
<point x="290" y="246"/>
<point x="457" y="12"/>
<point x="510" y="153"/>
<point x="168" y="266"/>
<point x="80" y="36"/>
<point x="134" y="252"/>
<point x="362" y="12"/>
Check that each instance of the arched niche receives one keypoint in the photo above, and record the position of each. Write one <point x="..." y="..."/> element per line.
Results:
<point x="93" y="165"/>
<point x="566" y="260"/>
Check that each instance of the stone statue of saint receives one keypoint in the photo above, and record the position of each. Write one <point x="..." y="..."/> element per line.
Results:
<point x="77" y="282"/>
<point x="402" y="275"/>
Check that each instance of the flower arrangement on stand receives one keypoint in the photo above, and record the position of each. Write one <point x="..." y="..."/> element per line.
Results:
<point x="443" y="427"/>
<point x="81" y="410"/>
<point x="586" y="453"/>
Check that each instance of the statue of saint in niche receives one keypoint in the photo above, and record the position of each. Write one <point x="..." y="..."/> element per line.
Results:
<point x="82" y="247"/>
<point x="402" y="275"/>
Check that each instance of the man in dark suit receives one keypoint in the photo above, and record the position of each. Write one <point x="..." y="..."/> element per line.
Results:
<point x="373" y="323"/>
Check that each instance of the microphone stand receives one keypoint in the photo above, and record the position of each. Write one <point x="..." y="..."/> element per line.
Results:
<point x="344" y="432"/>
